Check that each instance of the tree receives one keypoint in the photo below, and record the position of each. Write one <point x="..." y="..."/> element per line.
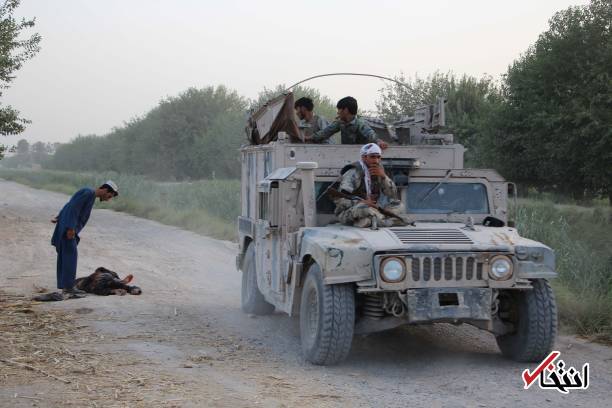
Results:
<point x="190" y="136"/>
<point x="23" y="147"/>
<point x="555" y="130"/>
<point x="470" y="104"/>
<point x="39" y="152"/>
<point x="13" y="53"/>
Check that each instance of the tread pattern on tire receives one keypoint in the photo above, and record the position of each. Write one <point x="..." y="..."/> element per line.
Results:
<point x="537" y="331"/>
<point x="337" y="322"/>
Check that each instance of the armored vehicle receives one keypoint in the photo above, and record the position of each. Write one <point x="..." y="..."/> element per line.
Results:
<point x="458" y="260"/>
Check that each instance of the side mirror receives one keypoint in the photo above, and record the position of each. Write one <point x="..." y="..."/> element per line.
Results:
<point x="511" y="224"/>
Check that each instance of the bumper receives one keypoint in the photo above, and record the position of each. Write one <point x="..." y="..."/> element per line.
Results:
<point x="448" y="304"/>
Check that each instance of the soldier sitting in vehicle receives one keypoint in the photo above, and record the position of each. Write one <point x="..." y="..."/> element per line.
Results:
<point x="309" y="122"/>
<point x="353" y="130"/>
<point x="365" y="192"/>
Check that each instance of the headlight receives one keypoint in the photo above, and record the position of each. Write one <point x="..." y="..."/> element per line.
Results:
<point x="501" y="268"/>
<point x="393" y="270"/>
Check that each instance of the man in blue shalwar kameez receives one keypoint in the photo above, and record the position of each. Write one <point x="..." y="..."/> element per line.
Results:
<point x="68" y="225"/>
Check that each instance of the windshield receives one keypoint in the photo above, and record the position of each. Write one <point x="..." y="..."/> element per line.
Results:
<point x="446" y="198"/>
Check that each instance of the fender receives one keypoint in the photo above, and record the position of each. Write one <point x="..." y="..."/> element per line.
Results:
<point x="343" y="255"/>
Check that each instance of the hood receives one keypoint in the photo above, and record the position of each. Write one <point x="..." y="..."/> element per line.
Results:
<point x="346" y="253"/>
<point x="425" y="237"/>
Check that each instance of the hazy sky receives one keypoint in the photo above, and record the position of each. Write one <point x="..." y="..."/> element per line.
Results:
<point x="105" y="62"/>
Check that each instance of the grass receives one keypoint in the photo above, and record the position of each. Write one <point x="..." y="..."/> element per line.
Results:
<point x="579" y="235"/>
<point x="209" y="207"/>
<point x="582" y="242"/>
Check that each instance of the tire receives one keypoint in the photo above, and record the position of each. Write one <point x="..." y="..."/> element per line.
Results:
<point x="252" y="300"/>
<point x="327" y="319"/>
<point x="534" y="314"/>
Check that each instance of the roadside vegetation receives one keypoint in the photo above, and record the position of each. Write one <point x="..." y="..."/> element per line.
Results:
<point x="582" y="242"/>
<point x="208" y="207"/>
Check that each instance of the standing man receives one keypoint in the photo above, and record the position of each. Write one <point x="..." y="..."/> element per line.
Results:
<point x="353" y="130"/>
<point x="370" y="188"/>
<point x="310" y="122"/>
<point x="68" y="225"/>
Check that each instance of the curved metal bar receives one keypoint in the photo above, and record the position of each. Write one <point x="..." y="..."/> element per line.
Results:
<point x="348" y="73"/>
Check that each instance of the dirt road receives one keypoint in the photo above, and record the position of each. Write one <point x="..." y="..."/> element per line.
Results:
<point x="185" y="342"/>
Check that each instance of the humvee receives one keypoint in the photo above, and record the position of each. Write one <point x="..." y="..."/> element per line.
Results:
<point x="459" y="261"/>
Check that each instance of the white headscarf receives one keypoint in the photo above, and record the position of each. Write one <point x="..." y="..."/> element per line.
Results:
<point x="370" y="148"/>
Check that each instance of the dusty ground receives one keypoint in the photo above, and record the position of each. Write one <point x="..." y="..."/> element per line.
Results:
<point x="185" y="342"/>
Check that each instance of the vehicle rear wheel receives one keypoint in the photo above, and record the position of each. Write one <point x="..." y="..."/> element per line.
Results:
<point x="534" y="316"/>
<point x="251" y="298"/>
<point x="327" y="319"/>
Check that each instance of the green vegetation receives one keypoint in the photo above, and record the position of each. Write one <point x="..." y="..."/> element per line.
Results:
<point x="548" y="123"/>
<point x="471" y="102"/>
<point x="554" y="128"/>
<point x="582" y="242"/>
<point x="192" y="136"/>
<point x="207" y="207"/>
<point x="28" y="156"/>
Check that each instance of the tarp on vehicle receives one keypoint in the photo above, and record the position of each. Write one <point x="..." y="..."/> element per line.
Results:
<point x="277" y="115"/>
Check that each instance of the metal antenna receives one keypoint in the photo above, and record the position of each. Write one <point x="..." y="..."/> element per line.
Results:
<point x="348" y="74"/>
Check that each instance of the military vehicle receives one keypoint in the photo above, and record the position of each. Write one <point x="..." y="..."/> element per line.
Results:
<point x="459" y="261"/>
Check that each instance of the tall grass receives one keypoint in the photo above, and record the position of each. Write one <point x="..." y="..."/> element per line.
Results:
<point x="209" y="207"/>
<point x="582" y="242"/>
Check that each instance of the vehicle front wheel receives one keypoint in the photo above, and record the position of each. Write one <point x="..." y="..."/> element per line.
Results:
<point x="534" y="316"/>
<point x="251" y="298"/>
<point x="327" y="319"/>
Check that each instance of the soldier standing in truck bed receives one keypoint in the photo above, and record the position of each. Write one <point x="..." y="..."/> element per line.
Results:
<point x="353" y="130"/>
<point x="367" y="182"/>
<point x="310" y="122"/>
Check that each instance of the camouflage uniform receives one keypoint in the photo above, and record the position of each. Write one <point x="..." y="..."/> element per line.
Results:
<point x="315" y="125"/>
<point x="351" y="212"/>
<point x="357" y="131"/>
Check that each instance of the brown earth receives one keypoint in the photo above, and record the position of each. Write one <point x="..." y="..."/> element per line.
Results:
<point x="185" y="342"/>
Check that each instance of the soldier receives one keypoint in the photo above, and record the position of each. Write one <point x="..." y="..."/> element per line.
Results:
<point x="310" y="122"/>
<point x="367" y="182"/>
<point x="353" y="130"/>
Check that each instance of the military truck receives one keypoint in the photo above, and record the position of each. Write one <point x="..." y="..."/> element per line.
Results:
<point x="458" y="261"/>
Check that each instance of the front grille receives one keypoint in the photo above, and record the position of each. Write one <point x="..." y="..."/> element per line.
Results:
<point x="431" y="236"/>
<point x="457" y="269"/>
